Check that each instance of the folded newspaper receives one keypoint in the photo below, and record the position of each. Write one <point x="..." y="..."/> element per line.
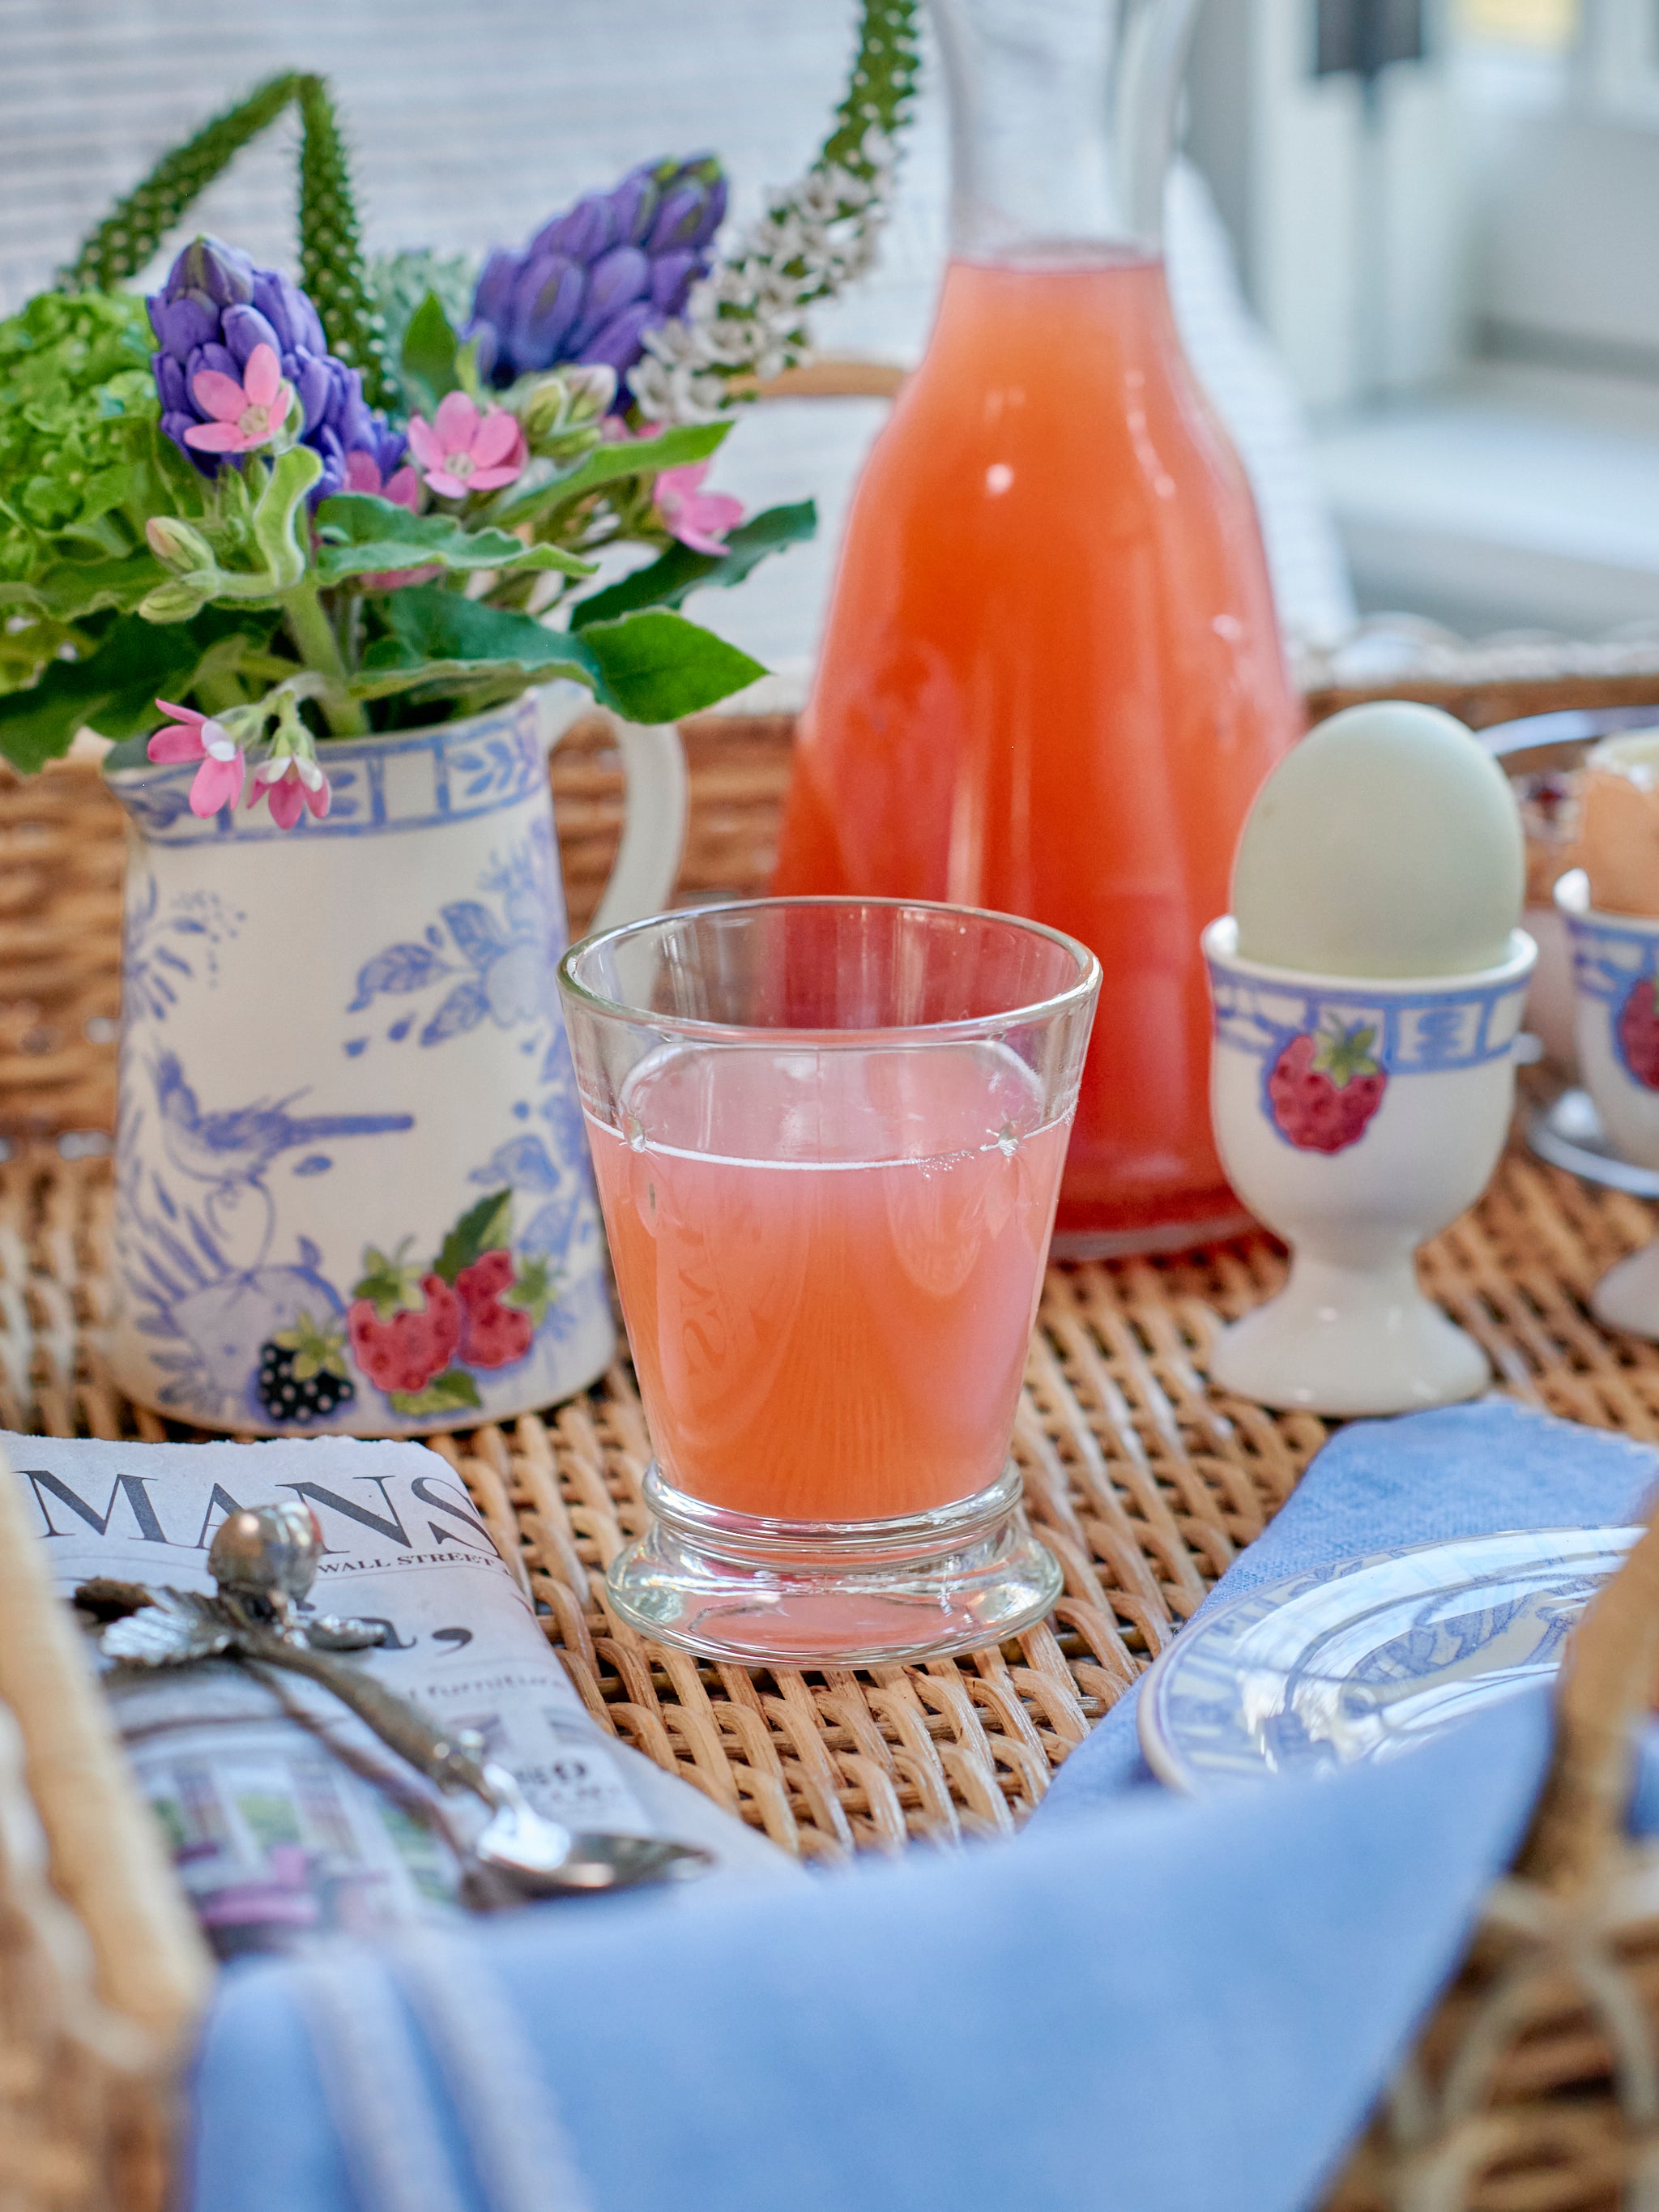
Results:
<point x="288" y="1819"/>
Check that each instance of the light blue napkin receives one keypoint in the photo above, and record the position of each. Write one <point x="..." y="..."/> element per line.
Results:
<point x="1465" y="1471"/>
<point x="1190" y="2005"/>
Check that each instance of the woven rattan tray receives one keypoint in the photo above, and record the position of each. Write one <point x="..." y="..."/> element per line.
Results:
<point x="1144" y="1480"/>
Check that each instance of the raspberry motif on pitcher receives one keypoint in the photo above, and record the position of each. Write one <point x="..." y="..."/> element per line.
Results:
<point x="419" y="1329"/>
<point x="1637" y="1031"/>
<point x="1325" y="1086"/>
<point x="501" y="1307"/>
<point x="405" y="1325"/>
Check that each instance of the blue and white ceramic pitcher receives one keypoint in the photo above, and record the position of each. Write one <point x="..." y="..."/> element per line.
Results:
<point x="352" y="1182"/>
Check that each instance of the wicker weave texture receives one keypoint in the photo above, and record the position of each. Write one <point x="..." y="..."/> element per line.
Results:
<point x="84" y="2110"/>
<point x="1144" y="1480"/>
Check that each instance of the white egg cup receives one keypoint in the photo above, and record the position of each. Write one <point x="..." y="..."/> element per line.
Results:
<point x="1615" y="980"/>
<point x="1352" y="1332"/>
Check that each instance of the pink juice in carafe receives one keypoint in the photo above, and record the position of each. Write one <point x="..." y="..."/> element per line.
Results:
<point x="1051" y="684"/>
<point x="829" y="1262"/>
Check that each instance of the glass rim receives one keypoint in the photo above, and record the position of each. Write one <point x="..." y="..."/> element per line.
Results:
<point x="1075" y="992"/>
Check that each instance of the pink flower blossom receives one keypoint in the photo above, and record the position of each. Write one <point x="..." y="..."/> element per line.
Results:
<point x="698" y="518"/>
<point x="246" y="415"/>
<point x="402" y="489"/>
<point x="291" y="784"/>
<point x="362" y="473"/>
<point x="190" y="736"/>
<point x="462" y="451"/>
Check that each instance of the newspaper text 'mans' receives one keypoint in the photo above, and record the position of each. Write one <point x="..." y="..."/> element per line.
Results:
<point x="156" y="1508"/>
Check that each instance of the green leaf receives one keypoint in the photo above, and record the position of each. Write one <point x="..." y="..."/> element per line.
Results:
<point x="628" y="457"/>
<point x="651" y="667"/>
<point x="668" y="580"/>
<point x="658" y="667"/>
<point x="362" y="534"/>
<point x="535" y="1289"/>
<point x="440" y="640"/>
<point x="402" y="281"/>
<point x="129" y="234"/>
<point x="69" y="590"/>
<point x="428" y="355"/>
<point x="485" y="1227"/>
<point x="276" y="515"/>
<point x="390" y="1283"/>
<point x="445" y="1394"/>
<point x="114" y="688"/>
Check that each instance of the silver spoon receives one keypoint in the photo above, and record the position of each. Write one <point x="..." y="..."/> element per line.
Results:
<point x="264" y="1560"/>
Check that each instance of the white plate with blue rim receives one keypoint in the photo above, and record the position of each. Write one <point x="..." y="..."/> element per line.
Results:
<point x="1367" y="1658"/>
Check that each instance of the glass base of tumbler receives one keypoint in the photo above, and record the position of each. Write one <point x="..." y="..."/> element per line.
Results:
<point x="744" y="1587"/>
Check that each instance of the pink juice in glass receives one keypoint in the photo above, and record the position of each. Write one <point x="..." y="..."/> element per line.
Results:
<point x="830" y="1261"/>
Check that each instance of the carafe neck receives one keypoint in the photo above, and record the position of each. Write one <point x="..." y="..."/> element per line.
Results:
<point x="1062" y="115"/>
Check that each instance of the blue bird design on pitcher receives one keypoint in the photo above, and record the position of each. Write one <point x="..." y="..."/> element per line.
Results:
<point x="237" y="1146"/>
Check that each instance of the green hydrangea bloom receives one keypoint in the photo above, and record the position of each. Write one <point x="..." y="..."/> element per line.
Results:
<point x="75" y="385"/>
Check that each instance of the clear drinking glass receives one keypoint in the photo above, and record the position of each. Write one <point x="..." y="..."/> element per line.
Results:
<point x="829" y="1135"/>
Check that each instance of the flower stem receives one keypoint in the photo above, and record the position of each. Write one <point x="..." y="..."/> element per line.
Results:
<point x="313" y="633"/>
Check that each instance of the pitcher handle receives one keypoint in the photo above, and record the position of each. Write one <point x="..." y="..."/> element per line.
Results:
<point x="647" y="860"/>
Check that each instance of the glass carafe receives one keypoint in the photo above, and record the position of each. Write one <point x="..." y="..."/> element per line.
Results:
<point x="1052" y="683"/>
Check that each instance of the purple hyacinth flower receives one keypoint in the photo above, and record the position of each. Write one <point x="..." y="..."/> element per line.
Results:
<point x="313" y="384"/>
<point x="615" y="282"/>
<point x="221" y="274"/>
<point x="712" y="215"/>
<point x="671" y="280"/>
<point x="182" y="323"/>
<point x="494" y="296"/>
<point x="245" y="328"/>
<point x="289" y="311"/>
<point x="545" y="306"/>
<point x="677" y="218"/>
<point x="617" y="344"/>
<point x="596" y="278"/>
<point x="170" y="384"/>
<point x="215" y="309"/>
<point x="219" y="358"/>
<point x="582" y="234"/>
<point x="633" y="203"/>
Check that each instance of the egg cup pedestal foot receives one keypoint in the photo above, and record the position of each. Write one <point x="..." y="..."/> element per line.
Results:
<point x="1627" y="1296"/>
<point x="1349" y="1340"/>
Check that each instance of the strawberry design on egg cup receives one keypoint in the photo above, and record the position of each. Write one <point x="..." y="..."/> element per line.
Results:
<point x="1325" y="1086"/>
<point x="1356" y="1117"/>
<point x="1615" y="983"/>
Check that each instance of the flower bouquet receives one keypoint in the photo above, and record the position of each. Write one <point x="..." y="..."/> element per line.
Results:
<point x="205" y="507"/>
<point x="308" y="552"/>
<point x="317" y="510"/>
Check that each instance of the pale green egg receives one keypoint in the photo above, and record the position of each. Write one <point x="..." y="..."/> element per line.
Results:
<point x="1387" y="843"/>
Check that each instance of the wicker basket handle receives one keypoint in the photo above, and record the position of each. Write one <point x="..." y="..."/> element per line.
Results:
<point x="1605" y="1687"/>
